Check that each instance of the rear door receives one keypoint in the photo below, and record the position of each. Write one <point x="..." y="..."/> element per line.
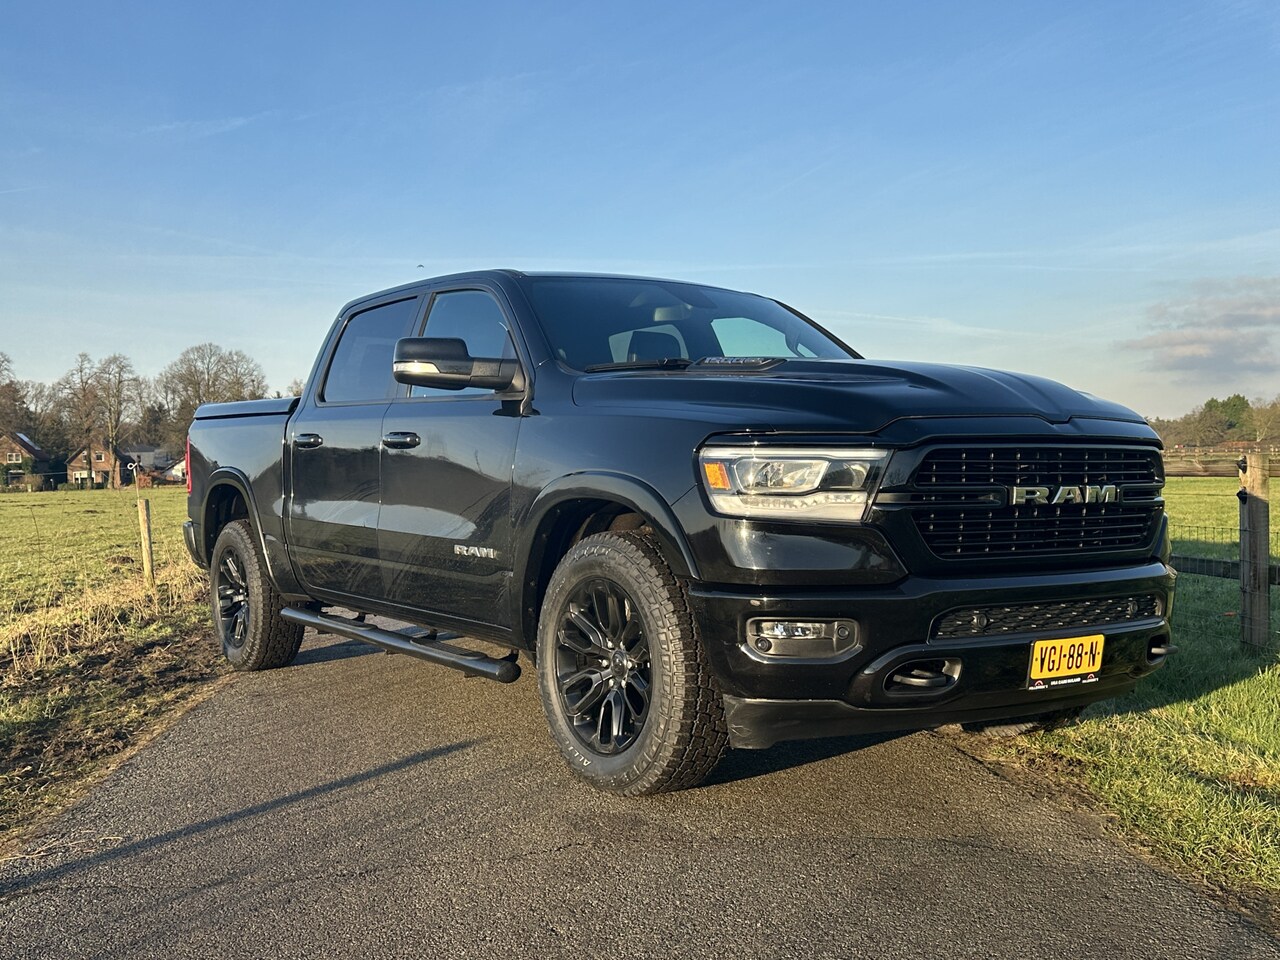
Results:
<point x="445" y="529"/>
<point x="334" y="447"/>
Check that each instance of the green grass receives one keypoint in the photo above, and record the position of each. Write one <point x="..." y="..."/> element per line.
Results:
<point x="1188" y="764"/>
<point x="1204" y="517"/>
<point x="59" y="545"/>
<point x="90" y="656"/>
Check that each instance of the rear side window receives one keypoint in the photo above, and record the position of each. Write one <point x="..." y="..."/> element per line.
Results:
<point x="475" y="318"/>
<point x="361" y="366"/>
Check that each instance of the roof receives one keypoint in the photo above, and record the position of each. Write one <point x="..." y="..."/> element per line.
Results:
<point x="33" y="448"/>
<point x="99" y="448"/>
<point x="517" y="275"/>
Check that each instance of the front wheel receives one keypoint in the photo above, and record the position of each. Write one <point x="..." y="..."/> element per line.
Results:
<point x="628" y="694"/>
<point x="246" y="606"/>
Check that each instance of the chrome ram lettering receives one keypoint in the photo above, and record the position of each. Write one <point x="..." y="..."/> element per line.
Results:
<point x="462" y="550"/>
<point x="1047" y="496"/>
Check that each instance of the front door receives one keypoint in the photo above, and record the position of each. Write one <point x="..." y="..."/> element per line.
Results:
<point x="445" y="528"/>
<point x="335" y="456"/>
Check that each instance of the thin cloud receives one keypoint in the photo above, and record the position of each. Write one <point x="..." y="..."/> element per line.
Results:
<point x="199" y="129"/>
<point x="938" y="325"/>
<point x="1217" y="330"/>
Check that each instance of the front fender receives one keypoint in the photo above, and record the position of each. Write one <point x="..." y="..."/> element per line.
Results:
<point x="540" y="521"/>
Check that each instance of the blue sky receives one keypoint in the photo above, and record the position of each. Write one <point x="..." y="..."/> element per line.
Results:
<point x="1085" y="191"/>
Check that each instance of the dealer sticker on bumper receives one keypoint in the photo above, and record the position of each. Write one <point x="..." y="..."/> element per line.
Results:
<point x="1058" y="663"/>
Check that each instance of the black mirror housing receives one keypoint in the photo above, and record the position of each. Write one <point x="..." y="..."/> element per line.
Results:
<point x="444" y="363"/>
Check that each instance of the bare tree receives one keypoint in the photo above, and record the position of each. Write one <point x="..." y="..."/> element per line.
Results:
<point x="1266" y="419"/>
<point x="78" y="388"/>
<point x="118" y="396"/>
<point x="245" y="379"/>
<point x="207" y="373"/>
<point x="45" y="421"/>
<point x="13" y="406"/>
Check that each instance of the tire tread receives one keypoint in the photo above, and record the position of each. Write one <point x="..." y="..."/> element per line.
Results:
<point x="695" y="734"/>
<point x="273" y="642"/>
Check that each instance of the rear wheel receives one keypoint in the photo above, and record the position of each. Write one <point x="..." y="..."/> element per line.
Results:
<point x="246" y="606"/>
<point x="625" y="683"/>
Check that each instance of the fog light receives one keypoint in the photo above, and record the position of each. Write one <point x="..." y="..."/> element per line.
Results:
<point x="802" y="639"/>
<point x="792" y="629"/>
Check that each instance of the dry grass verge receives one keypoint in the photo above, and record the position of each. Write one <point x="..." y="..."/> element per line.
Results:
<point x="85" y="675"/>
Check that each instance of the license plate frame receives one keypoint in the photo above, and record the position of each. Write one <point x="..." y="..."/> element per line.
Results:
<point x="1065" y="661"/>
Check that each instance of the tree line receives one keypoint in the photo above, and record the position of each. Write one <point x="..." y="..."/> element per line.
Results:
<point x="108" y="401"/>
<point x="1216" y="421"/>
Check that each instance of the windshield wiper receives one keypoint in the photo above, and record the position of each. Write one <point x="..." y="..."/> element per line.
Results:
<point x="665" y="363"/>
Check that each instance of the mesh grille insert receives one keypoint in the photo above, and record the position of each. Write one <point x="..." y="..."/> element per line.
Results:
<point x="1022" y="618"/>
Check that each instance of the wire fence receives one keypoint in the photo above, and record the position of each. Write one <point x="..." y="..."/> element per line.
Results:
<point x="1207" y="608"/>
<point x="1207" y="558"/>
<point x="1215" y="550"/>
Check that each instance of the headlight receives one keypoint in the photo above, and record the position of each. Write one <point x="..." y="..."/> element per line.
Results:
<point x="791" y="482"/>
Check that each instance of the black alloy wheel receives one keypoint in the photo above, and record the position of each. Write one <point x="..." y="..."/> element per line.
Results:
<point x="246" y="605"/>
<point x="625" y="681"/>
<point x="232" y="599"/>
<point x="602" y="668"/>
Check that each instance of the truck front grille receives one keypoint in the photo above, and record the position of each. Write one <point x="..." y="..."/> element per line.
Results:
<point x="954" y="525"/>
<point x="1031" y="617"/>
<point x="1038" y="466"/>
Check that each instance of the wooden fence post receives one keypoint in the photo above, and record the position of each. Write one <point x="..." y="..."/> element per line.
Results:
<point x="1255" y="551"/>
<point x="144" y="524"/>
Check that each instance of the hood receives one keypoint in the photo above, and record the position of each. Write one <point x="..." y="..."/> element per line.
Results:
<point x="860" y="396"/>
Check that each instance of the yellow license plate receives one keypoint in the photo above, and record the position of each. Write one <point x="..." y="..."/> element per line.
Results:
<point x="1055" y="663"/>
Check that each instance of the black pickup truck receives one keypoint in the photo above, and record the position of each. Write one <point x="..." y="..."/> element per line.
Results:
<point x="705" y="519"/>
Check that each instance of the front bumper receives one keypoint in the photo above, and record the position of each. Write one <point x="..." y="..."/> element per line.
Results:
<point x="768" y="700"/>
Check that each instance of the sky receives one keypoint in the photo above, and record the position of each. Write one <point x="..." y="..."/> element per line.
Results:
<point x="1083" y="191"/>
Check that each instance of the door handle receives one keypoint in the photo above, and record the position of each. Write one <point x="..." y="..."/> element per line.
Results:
<point x="401" y="440"/>
<point x="308" y="441"/>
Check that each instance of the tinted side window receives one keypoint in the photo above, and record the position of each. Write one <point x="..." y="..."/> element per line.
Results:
<point x="475" y="318"/>
<point x="361" y="366"/>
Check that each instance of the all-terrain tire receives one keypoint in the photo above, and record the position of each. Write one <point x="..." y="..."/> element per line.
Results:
<point x="246" y="606"/>
<point x="1038" y="723"/>
<point x="680" y="735"/>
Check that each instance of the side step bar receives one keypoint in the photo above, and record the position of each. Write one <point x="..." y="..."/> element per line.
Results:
<point x="504" y="670"/>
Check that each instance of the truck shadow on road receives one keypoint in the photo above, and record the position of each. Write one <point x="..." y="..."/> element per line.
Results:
<point x="740" y="765"/>
<point x="325" y="652"/>
<point x="42" y="878"/>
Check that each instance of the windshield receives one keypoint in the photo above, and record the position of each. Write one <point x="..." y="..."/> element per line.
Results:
<point x="596" y="322"/>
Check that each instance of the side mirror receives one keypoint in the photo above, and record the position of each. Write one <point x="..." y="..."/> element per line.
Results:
<point x="444" y="362"/>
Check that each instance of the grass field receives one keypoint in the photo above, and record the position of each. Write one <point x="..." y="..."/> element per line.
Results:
<point x="61" y="545"/>
<point x="90" y="657"/>
<point x="1204" y="517"/>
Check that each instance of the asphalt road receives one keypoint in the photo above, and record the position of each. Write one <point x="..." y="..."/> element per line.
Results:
<point x="366" y="805"/>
